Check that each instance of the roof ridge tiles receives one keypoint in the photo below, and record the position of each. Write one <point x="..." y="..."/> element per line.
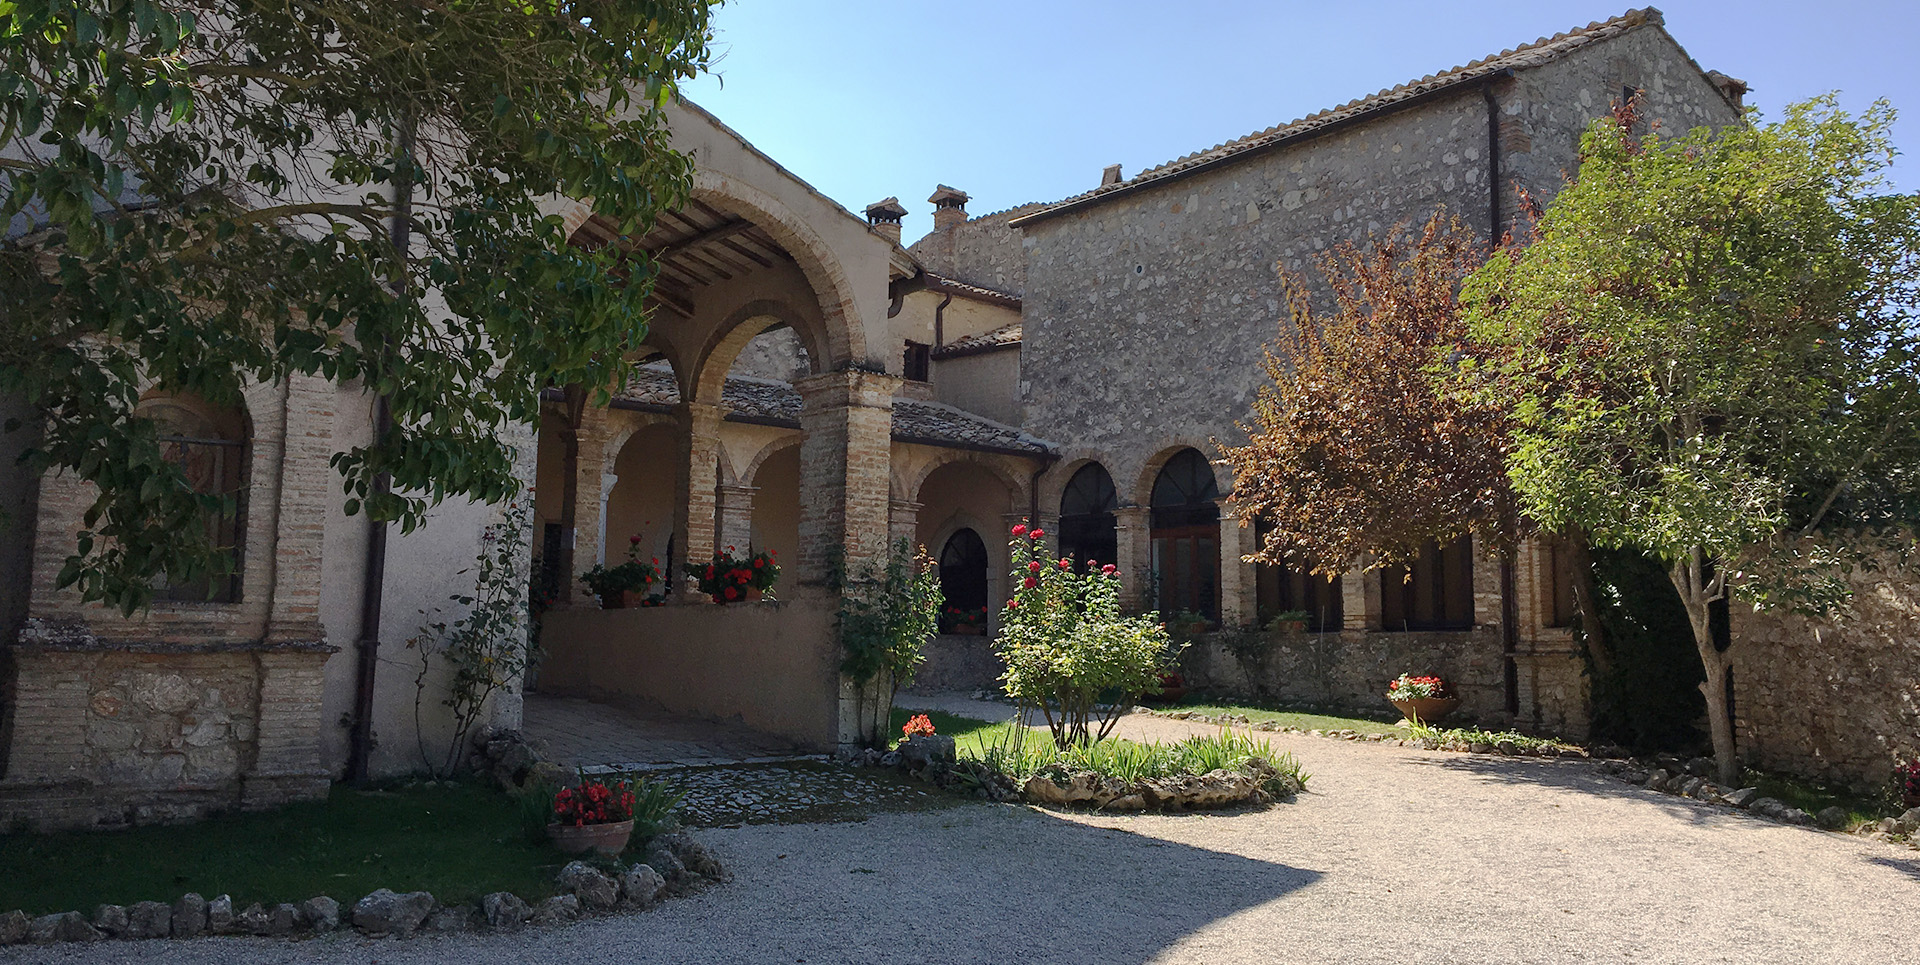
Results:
<point x="1526" y="55"/>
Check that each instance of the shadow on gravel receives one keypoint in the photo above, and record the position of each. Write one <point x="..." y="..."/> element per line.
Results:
<point x="1906" y="866"/>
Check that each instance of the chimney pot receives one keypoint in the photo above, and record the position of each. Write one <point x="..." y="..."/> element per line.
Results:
<point x="885" y="217"/>
<point x="949" y="207"/>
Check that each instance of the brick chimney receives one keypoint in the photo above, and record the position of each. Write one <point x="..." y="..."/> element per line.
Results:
<point x="885" y="217"/>
<point x="1733" y="88"/>
<point x="949" y="207"/>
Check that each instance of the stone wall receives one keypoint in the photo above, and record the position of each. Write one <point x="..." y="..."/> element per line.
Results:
<point x="958" y="662"/>
<point x="107" y="734"/>
<point x="1832" y="698"/>
<point x="1351" y="669"/>
<point x="982" y="251"/>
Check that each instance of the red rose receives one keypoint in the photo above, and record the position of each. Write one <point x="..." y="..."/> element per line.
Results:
<point x="1109" y="569"/>
<point x="1019" y="529"/>
<point x="1013" y="604"/>
<point x="1064" y="564"/>
<point x="635" y="540"/>
<point x="1033" y="567"/>
<point x="1039" y="533"/>
<point x="1030" y="583"/>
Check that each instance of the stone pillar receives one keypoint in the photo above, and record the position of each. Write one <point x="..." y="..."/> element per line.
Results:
<point x="736" y="516"/>
<point x="695" y="481"/>
<point x="1239" y="582"/>
<point x="607" y="482"/>
<point x="903" y="522"/>
<point x="589" y="502"/>
<point x="846" y="420"/>
<point x="1360" y="599"/>
<point x="1133" y="555"/>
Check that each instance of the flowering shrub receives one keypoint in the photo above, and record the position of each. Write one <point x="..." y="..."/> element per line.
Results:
<point x="1906" y="779"/>
<point x="633" y="576"/>
<point x="920" y="725"/>
<point x="728" y="578"/>
<point x="954" y="616"/>
<point x="1066" y="646"/>
<point x="594" y="802"/>
<point x="1417" y="688"/>
<point x="889" y="608"/>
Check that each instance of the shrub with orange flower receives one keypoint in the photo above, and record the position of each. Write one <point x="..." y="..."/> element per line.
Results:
<point x="920" y="725"/>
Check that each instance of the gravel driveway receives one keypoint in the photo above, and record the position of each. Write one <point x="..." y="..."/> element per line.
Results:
<point x="1394" y="855"/>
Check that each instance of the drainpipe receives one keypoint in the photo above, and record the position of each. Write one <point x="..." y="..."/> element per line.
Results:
<point x="374" y="577"/>
<point x="1493" y="158"/>
<point x="940" y="321"/>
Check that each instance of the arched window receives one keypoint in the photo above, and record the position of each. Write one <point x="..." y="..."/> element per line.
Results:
<point x="1086" y="517"/>
<point x="210" y="445"/>
<point x="1186" y="536"/>
<point x="963" y="579"/>
<point x="1435" y="593"/>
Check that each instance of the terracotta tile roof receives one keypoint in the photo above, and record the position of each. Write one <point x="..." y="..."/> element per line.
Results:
<point x="945" y="283"/>
<point x="1002" y="337"/>
<point x="1541" y="51"/>
<point x="777" y="403"/>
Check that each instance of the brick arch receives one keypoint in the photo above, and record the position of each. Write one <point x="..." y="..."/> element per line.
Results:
<point x="1053" y="483"/>
<point x="767" y="452"/>
<point x="844" y="342"/>
<point x="1142" y="492"/>
<point x="1016" y="487"/>
<point x="707" y="376"/>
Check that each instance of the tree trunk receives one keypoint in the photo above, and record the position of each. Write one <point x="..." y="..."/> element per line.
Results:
<point x="1580" y="561"/>
<point x="1698" y="594"/>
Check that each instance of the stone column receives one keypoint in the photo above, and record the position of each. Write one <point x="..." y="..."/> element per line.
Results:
<point x="1239" y="582"/>
<point x="846" y="420"/>
<point x="1360" y="598"/>
<point x="736" y="516"/>
<point x="589" y="502"/>
<point x="695" y="481"/>
<point x="1133" y="554"/>
<point x="607" y="482"/>
<point x="903" y="522"/>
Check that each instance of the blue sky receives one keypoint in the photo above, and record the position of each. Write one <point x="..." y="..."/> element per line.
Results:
<point x="1026" y="101"/>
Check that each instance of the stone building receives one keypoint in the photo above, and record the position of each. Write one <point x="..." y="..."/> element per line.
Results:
<point x="812" y="387"/>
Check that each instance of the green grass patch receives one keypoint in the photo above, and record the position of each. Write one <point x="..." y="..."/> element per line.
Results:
<point x="458" y="841"/>
<point x="1291" y="718"/>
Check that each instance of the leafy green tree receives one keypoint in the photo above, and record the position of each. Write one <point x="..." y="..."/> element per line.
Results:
<point x="209" y="193"/>
<point x="1709" y="354"/>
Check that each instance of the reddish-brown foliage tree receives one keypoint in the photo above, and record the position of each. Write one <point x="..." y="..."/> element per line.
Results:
<point x="1361" y="447"/>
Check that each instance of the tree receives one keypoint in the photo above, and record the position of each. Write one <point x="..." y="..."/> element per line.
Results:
<point x="219" y="192"/>
<point x="1363" y="444"/>
<point x="1709" y="352"/>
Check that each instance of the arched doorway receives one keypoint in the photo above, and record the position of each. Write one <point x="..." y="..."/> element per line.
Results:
<point x="963" y="579"/>
<point x="1186" y="536"/>
<point x="1087" y="524"/>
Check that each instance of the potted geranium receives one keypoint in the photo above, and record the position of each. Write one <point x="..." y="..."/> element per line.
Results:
<point x="732" y="578"/>
<point x="1423" y="700"/>
<point x="1906" y="779"/>
<point x="624" y="585"/>
<point x="593" y="815"/>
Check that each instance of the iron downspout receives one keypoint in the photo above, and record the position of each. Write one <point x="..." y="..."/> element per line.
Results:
<point x="374" y="575"/>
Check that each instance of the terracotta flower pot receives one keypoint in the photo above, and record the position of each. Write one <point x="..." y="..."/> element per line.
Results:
<point x="608" y="839"/>
<point x="1426" y="710"/>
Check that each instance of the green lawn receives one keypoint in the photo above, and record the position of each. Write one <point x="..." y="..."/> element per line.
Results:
<point x="970" y="734"/>
<point x="1291" y="718"/>
<point x="459" y="841"/>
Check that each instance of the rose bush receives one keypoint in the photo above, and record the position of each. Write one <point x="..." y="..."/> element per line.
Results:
<point x="1066" y="645"/>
